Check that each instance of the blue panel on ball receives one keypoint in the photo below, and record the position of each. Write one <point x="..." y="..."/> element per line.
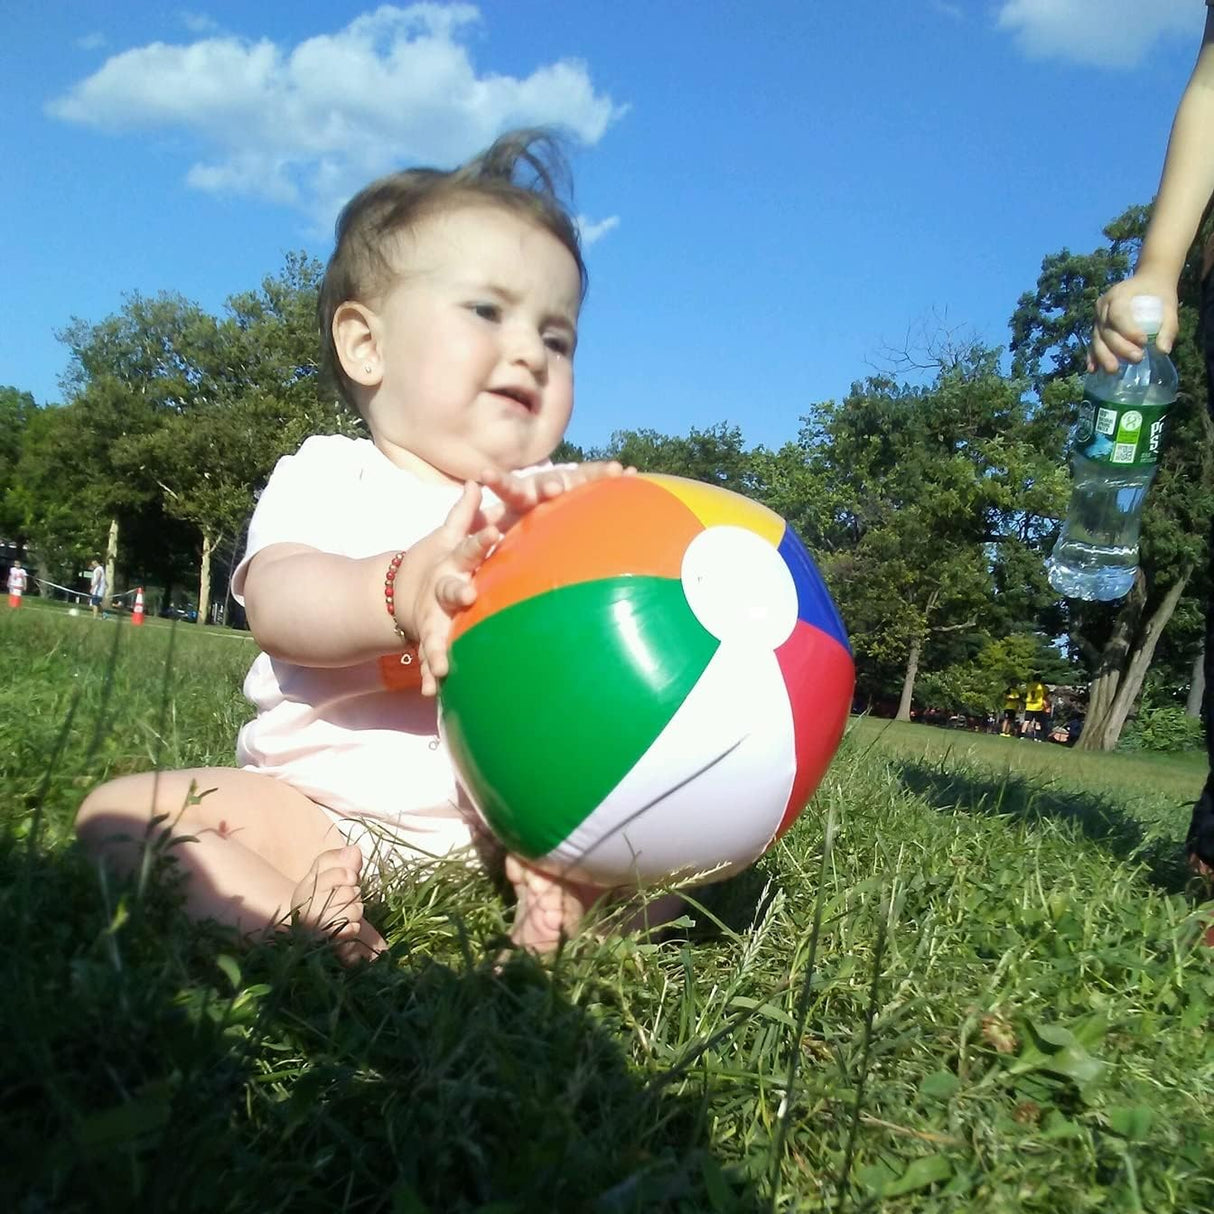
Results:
<point x="814" y="604"/>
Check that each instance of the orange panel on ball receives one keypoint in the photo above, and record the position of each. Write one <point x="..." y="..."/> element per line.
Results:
<point x="612" y="528"/>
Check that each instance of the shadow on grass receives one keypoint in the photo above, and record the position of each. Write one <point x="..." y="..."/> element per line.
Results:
<point x="736" y="904"/>
<point x="1095" y="816"/>
<point x="149" y="1066"/>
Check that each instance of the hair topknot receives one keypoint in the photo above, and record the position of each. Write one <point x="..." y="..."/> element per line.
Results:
<point x="524" y="171"/>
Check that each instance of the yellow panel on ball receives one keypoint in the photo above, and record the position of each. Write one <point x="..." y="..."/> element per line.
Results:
<point x="715" y="507"/>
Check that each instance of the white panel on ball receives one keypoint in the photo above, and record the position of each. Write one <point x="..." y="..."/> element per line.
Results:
<point x="714" y="783"/>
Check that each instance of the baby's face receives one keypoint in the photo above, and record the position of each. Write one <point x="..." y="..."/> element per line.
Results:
<point x="475" y="340"/>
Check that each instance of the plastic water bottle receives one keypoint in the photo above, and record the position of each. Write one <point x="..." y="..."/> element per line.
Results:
<point x="1114" y="454"/>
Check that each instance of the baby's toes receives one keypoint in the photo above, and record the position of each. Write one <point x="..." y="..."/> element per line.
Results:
<point x="363" y="945"/>
<point x="340" y="899"/>
<point x="345" y="916"/>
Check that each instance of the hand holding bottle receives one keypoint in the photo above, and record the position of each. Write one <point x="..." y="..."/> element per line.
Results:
<point x="1117" y="336"/>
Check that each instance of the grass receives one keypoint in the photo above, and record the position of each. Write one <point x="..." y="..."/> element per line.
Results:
<point x="1005" y="1008"/>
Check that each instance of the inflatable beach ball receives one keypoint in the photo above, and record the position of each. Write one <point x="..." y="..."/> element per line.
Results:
<point x="650" y="684"/>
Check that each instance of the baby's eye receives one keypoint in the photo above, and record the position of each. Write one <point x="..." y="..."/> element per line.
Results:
<point x="486" y="311"/>
<point x="558" y="343"/>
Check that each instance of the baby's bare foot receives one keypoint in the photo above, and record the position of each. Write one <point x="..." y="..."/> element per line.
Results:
<point x="329" y="900"/>
<point x="549" y="909"/>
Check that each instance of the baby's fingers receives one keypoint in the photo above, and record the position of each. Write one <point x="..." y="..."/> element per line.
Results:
<point x="470" y="553"/>
<point x="600" y="469"/>
<point x="451" y="594"/>
<point x="517" y="492"/>
<point x="454" y="593"/>
<point x="462" y="517"/>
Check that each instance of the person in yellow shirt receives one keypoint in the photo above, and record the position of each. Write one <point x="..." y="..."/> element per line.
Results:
<point x="1012" y="702"/>
<point x="1036" y="719"/>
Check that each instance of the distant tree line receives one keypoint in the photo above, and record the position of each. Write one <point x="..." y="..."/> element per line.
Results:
<point x="930" y="494"/>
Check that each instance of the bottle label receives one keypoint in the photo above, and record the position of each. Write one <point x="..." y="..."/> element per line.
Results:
<point x="1126" y="436"/>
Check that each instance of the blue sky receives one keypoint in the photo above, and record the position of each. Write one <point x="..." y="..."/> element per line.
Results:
<point x="778" y="192"/>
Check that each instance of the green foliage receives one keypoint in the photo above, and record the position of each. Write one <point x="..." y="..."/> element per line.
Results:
<point x="1162" y="727"/>
<point x="174" y="422"/>
<point x="1051" y="324"/>
<point x="939" y="497"/>
<point x="16" y="410"/>
<point x="716" y="455"/>
<point x="979" y="685"/>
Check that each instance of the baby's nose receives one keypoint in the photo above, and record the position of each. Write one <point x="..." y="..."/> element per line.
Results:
<point x="526" y="348"/>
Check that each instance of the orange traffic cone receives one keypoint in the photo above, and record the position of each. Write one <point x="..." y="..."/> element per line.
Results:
<point x="137" y="610"/>
<point x="14" y="598"/>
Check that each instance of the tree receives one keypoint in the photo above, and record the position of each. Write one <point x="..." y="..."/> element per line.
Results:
<point x="978" y="685"/>
<point x="184" y="415"/>
<point x="927" y="486"/>
<point x="716" y="456"/>
<point x="127" y="375"/>
<point x="16" y="410"/>
<point x="1117" y="644"/>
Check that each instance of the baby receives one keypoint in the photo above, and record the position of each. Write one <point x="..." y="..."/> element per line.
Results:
<point x="449" y="310"/>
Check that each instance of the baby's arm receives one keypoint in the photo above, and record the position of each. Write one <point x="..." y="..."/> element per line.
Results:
<point x="313" y="608"/>
<point x="1184" y="191"/>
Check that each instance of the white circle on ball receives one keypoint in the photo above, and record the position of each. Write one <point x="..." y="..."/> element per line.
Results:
<point x="739" y="587"/>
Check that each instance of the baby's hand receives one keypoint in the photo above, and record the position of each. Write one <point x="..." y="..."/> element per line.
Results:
<point x="1116" y="335"/>
<point x="520" y="494"/>
<point x="440" y="571"/>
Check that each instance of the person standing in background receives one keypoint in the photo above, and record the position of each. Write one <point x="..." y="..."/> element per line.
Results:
<point x="97" y="588"/>
<point x="17" y="581"/>
<point x="1034" y="710"/>
<point x="1012" y="701"/>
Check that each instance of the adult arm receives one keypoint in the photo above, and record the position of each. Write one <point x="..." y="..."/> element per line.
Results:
<point x="1185" y="189"/>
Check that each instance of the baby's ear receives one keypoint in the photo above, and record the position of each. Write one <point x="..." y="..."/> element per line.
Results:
<point x="356" y="340"/>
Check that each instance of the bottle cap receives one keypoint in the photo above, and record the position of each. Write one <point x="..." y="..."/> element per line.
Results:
<point x="1147" y="311"/>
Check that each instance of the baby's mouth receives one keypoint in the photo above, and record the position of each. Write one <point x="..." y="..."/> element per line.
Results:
<point x="529" y="400"/>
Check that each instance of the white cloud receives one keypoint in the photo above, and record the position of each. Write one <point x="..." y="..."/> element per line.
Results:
<point x="1104" y="33"/>
<point x="199" y="23"/>
<point x="590" y="230"/>
<point x="90" y="42"/>
<point x="309" y="124"/>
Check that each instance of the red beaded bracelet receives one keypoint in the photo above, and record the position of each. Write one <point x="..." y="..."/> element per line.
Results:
<point x="390" y="602"/>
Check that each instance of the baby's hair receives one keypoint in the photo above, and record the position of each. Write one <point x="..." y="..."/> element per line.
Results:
<point x="524" y="171"/>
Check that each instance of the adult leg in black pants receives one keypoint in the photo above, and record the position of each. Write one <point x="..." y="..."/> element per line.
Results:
<point x="1200" y="841"/>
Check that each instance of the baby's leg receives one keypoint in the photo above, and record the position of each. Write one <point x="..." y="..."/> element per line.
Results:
<point x="258" y="852"/>
<point x="550" y="909"/>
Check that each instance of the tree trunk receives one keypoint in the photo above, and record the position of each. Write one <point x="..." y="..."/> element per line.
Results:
<point x="1197" y="685"/>
<point x="908" y="684"/>
<point x="1102" y="690"/>
<point x="204" y="578"/>
<point x="1140" y="663"/>
<point x="111" y="555"/>
<point x="1130" y="684"/>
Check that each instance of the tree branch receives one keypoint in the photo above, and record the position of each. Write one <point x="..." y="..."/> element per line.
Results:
<point x="951" y="627"/>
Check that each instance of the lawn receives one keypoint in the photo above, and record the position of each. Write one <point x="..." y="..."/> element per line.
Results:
<point x="1002" y="1007"/>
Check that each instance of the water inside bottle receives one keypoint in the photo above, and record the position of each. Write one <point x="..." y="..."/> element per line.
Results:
<point x="1096" y="556"/>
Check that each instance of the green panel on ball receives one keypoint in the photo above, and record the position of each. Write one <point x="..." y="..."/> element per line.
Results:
<point x="550" y="702"/>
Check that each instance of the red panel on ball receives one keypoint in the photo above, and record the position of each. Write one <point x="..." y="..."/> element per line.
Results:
<point x="820" y="677"/>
